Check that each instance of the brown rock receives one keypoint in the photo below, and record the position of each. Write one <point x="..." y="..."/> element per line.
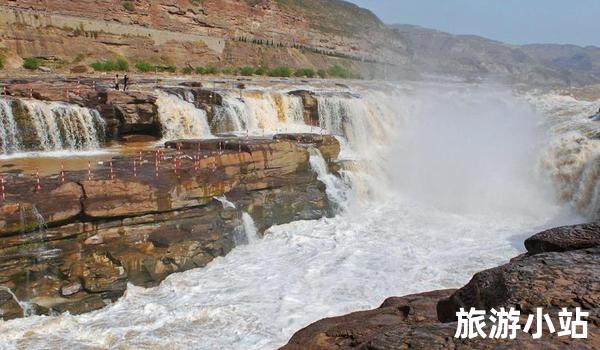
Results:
<point x="564" y="239"/>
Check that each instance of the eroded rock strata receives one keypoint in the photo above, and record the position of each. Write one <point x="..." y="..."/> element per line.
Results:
<point x="73" y="244"/>
<point x="560" y="269"/>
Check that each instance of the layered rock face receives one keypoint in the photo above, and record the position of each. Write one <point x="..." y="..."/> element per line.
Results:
<point x="560" y="270"/>
<point x="73" y="241"/>
<point x="185" y="32"/>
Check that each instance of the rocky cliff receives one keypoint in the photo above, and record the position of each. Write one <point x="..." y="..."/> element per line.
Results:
<point x="182" y="32"/>
<point x="73" y="241"/>
<point x="560" y="269"/>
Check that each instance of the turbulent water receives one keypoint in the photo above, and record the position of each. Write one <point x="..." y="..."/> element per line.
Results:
<point x="260" y="112"/>
<point x="439" y="182"/>
<point x="180" y="119"/>
<point x="48" y="126"/>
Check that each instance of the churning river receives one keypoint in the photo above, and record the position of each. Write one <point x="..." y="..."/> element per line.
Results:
<point x="441" y="181"/>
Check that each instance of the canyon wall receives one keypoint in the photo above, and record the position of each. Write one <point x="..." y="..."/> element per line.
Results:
<point x="73" y="241"/>
<point x="183" y="32"/>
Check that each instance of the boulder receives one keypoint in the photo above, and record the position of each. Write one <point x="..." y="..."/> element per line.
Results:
<point x="564" y="239"/>
<point x="561" y="270"/>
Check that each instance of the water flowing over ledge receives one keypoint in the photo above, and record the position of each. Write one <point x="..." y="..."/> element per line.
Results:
<point x="431" y="192"/>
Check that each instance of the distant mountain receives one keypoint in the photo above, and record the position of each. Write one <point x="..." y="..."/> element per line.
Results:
<point x="474" y="57"/>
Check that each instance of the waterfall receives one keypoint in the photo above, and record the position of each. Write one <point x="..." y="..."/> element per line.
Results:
<point x="572" y="158"/>
<point x="181" y="119"/>
<point x="25" y="306"/>
<point x="250" y="228"/>
<point x="49" y="126"/>
<point x="247" y="233"/>
<point x="225" y="202"/>
<point x="337" y="190"/>
<point x="9" y="134"/>
<point x="256" y="111"/>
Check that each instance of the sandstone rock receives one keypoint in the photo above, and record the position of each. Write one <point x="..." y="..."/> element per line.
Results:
<point x="562" y="269"/>
<point x="70" y="289"/>
<point x="79" y="69"/>
<point x="550" y="280"/>
<point x="115" y="228"/>
<point x="564" y="239"/>
<point x="352" y="330"/>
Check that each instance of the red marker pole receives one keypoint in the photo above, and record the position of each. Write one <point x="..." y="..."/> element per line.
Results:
<point x="62" y="172"/>
<point x="38" y="186"/>
<point x="112" y="172"/>
<point x="2" y="191"/>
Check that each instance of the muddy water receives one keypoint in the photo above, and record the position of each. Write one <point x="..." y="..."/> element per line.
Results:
<point x="53" y="163"/>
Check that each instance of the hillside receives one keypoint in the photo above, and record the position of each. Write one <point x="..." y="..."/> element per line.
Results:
<point x="477" y="57"/>
<point x="314" y="33"/>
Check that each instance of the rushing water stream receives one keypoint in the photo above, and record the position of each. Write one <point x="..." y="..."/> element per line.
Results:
<point x="440" y="182"/>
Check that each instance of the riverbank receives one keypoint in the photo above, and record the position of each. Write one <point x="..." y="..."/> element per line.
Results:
<point x="559" y="270"/>
<point x="72" y="241"/>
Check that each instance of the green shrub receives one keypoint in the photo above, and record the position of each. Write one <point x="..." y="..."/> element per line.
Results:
<point x="169" y="68"/>
<point x="280" y="72"/>
<point x="1" y="62"/>
<point x="261" y="71"/>
<point x="200" y="70"/>
<point x="144" y="67"/>
<point x="305" y="72"/>
<point x="322" y="73"/>
<point x="187" y="70"/>
<point x="247" y="71"/>
<point x="340" y="72"/>
<point x="229" y="71"/>
<point x="122" y="64"/>
<point x="110" y="65"/>
<point x="211" y="70"/>
<point x="32" y="63"/>
<point x="128" y="5"/>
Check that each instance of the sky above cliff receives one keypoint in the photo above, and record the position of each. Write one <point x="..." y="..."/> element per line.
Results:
<point x="511" y="21"/>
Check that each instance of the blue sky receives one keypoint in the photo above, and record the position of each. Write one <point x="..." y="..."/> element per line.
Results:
<point x="512" y="21"/>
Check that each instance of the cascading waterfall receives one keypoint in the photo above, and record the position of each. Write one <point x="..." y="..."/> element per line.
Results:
<point x="452" y="183"/>
<point x="260" y="111"/>
<point x="573" y="156"/>
<point x="181" y="119"/>
<point x="336" y="189"/>
<point x="50" y="126"/>
<point x="249" y="228"/>
<point x="9" y="134"/>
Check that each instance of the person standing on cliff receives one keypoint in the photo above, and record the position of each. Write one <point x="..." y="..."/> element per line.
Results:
<point x="125" y="82"/>
<point x="117" y="82"/>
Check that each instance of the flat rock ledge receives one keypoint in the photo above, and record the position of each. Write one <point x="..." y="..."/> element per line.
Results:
<point x="560" y="269"/>
<point x="72" y="242"/>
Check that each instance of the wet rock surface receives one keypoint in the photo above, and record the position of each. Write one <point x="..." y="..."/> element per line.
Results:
<point x="560" y="270"/>
<point x="75" y="240"/>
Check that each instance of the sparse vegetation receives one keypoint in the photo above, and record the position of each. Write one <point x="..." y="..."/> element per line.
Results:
<point x="282" y="71"/>
<point x="338" y="71"/>
<point x="305" y="72"/>
<point x="247" y="71"/>
<point x="144" y="67"/>
<point x="211" y="70"/>
<point x="261" y="71"/>
<point x="128" y="5"/>
<point x="169" y="68"/>
<point x="32" y="63"/>
<point x="1" y="62"/>
<point x="110" y="66"/>
<point x="229" y="71"/>
<point x="187" y="70"/>
<point x="322" y="73"/>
